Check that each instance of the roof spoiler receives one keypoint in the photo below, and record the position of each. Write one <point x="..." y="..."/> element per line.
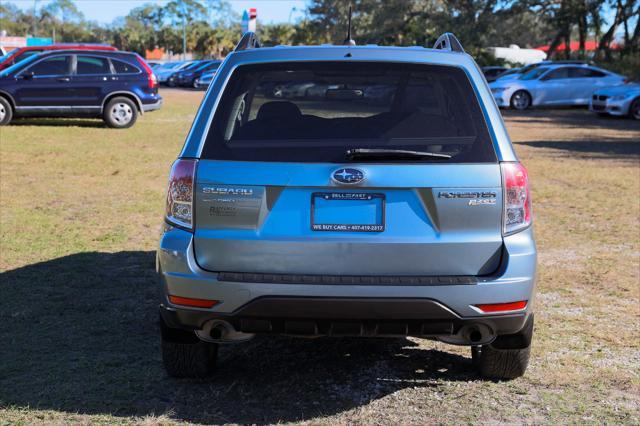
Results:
<point x="248" y="41"/>
<point x="448" y="41"/>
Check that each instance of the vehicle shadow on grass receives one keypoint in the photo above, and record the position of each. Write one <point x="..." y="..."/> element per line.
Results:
<point x="80" y="335"/>
<point x="60" y="122"/>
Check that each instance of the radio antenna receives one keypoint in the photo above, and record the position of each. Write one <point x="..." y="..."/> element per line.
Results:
<point x="349" y="41"/>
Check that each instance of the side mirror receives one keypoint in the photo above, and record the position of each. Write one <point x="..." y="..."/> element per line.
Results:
<point x="27" y="75"/>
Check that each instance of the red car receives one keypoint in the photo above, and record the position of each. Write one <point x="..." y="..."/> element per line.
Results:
<point x="21" y="53"/>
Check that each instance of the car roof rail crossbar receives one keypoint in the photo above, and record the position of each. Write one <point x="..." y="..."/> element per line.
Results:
<point x="248" y="41"/>
<point x="448" y="41"/>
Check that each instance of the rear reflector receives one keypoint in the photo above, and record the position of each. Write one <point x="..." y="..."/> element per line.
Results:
<point x="502" y="307"/>
<point x="196" y="303"/>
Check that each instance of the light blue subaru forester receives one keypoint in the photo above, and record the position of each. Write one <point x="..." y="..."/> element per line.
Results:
<point x="348" y="191"/>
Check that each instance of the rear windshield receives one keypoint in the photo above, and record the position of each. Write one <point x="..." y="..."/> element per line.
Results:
<point x="315" y="112"/>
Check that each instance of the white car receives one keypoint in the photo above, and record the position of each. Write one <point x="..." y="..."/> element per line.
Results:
<point x="617" y="100"/>
<point x="553" y="85"/>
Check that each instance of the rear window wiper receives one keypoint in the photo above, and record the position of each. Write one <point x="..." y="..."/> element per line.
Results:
<point x="392" y="154"/>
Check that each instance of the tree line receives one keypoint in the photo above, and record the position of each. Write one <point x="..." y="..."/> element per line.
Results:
<point x="212" y="28"/>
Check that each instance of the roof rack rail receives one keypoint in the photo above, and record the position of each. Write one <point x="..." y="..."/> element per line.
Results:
<point x="249" y="40"/>
<point x="448" y="41"/>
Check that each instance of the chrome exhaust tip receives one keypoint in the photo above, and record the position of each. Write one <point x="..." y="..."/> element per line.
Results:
<point x="220" y="331"/>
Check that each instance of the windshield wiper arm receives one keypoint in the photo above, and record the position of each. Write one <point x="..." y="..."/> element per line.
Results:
<point x="391" y="154"/>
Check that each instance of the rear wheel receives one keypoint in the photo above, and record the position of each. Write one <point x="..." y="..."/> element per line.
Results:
<point x="6" y="112"/>
<point x="120" y="113"/>
<point x="184" y="355"/>
<point x="634" y="109"/>
<point x="520" y="100"/>
<point x="507" y="357"/>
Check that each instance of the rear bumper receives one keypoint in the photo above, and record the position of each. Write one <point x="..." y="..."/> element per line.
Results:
<point x="152" y="106"/>
<point x="343" y="316"/>
<point x="419" y="305"/>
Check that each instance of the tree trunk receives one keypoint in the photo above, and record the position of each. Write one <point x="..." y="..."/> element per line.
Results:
<point x="567" y="40"/>
<point x="634" y="43"/>
<point x="582" y="32"/>
<point x="554" y="44"/>
<point x="605" y="42"/>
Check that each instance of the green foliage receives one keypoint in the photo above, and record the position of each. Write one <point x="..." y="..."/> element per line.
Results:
<point x="212" y="28"/>
<point x="628" y="65"/>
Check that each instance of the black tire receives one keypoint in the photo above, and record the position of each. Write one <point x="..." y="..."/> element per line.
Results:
<point x="6" y="112"/>
<point x="186" y="356"/>
<point x="120" y="113"/>
<point x="520" y="100"/>
<point x="502" y="364"/>
<point x="634" y="109"/>
<point x="507" y="357"/>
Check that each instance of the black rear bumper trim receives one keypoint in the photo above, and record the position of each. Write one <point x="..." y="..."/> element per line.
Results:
<point x="245" y="277"/>
<point x="342" y="316"/>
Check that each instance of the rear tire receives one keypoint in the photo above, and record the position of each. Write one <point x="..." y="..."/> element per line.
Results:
<point x="502" y="364"/>
<point x="6" y="112"/>
<point x="186" y="356"/>
<point x="120" y="113"/>
<point x="634" y="109"/>
<point x="521" y="100"/>
<point x="507" y="357"/>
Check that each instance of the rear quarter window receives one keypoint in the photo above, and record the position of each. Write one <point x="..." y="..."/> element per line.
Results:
<point x="315" y="112"/>
<point x="122" y="67"/>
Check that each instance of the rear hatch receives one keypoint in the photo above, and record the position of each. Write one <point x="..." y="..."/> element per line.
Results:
<point x="348" y="169"/>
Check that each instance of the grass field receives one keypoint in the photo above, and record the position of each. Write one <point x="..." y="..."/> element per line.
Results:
<point x="80" y="211"/>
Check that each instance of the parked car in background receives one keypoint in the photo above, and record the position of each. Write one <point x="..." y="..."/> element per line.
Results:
<point x="518" y="72"/>
<point x="205" y="79"/>
<point x="622" y="100"/>
<point x="166" y="70"/>
<point x="22" y="53"/>
<point x="172" y="79"/>
<point x="509" y="72"/>
<point x="188" y="78"/>
<point x="336" y="216"/>
<point x="491" y="73"/>
<point x="117" y="86"/>
<point x="553" y="85"/>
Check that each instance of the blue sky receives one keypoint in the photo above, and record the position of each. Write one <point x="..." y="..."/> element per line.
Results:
<point x="105" y="11"/>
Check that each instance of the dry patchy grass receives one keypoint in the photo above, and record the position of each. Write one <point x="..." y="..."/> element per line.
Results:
<point x="80" y="210"/>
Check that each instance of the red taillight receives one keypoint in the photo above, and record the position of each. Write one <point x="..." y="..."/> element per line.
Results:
<point x="188" y="301"/>
<point x="151" y="77"/>
<point x="502" y="307"/>
<point x="180" y="193"/>
<point x="516" y="199"/>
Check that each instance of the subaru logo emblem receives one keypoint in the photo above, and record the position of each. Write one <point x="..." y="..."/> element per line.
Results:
<point x="348" y="176"/>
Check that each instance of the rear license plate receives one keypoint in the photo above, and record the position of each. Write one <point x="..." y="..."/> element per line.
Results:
<point x="347" y="211"/>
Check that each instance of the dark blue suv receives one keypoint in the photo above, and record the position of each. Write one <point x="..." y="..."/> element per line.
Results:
<point x="117" y="86"/>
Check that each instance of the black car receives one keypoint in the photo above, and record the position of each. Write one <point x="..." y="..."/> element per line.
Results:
<point x="491" y="73"/>
<point x="117" y="86"/>
<point x="172" y="81"/>
<point x="187" y="78"/>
